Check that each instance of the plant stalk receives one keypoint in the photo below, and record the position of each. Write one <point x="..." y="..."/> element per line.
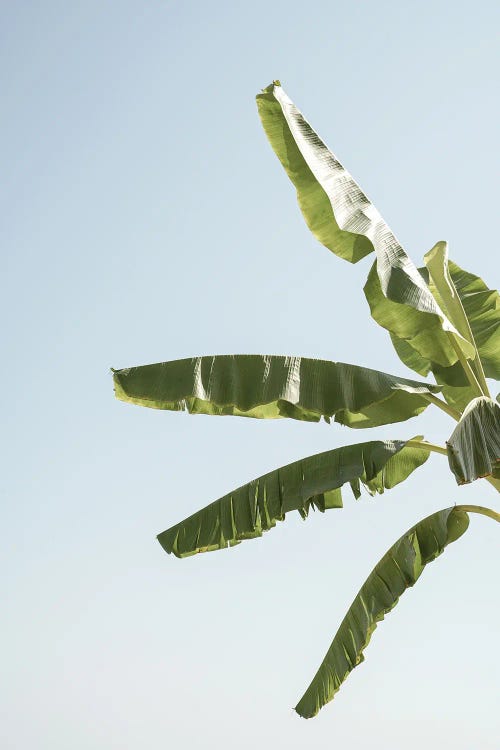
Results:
<point x="425" y="446"/>
<point x="489" y="512"/>
<point x="469" y="372"/>
<point x="478" y="369"/>
<point x="443" y="406"/>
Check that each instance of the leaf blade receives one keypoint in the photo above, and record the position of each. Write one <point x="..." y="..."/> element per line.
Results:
<point x="398" y="570"/>
<point x="273" y="386"/>
<point x="474" y="446"/>
<point x="481" y="306"/>
<point x="342" y="217"/>
<point x="314" y="202"/>
<point x="423" y="333"/>
<point x="311" y="483"/>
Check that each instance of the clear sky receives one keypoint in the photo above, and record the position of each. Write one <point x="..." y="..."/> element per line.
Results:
<point x="145" y="218"/>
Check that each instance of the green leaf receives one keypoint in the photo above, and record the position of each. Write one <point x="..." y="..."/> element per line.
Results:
<point x="422" y="333"/>
<point x="312" y="482"/>
<point x="454" y="384"/>
<point x="341" y="216"/>
<point x="399" y="569"/>
<point x="474" y="446"/>
<point x="290" y="135"/>
<point x="481" y="306"/>
<point x="443" y="288"/>
<point x="265" y="386"/>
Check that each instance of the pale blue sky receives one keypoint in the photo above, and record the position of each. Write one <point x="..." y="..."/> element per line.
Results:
<point x="144" y="218"/>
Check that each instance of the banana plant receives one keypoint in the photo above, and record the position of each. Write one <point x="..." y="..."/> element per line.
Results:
<point x="441" y="320"/>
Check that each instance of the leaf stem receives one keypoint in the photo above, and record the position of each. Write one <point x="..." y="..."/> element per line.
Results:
<point x="425" y="446"/>
<point x="480" y="509"/>
<point x="443" y="406"/>
<point x="477" y="366"/>
<point x="469" y="372"/>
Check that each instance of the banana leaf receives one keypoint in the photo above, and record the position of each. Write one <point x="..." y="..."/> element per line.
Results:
<point x="481" y="306"/>
<point x="266" y="386"/>
<point x="342" y="217"/>
<point x="474" y="446"/>
<point x="399" y="569"/>
<point x="313" y="482"/>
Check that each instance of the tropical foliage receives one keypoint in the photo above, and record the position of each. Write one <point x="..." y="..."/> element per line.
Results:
<point x="441" y="320"/>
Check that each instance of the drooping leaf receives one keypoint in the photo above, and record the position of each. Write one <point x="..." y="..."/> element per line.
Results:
<point x="263" y="386"/>
<point x="474" y="446"/>
<point x="313" y="482"/>
<point x="341" y="216"/>
<point x="399" y="569"/>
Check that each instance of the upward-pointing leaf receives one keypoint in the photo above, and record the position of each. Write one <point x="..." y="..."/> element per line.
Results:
<point x="399" y="569"/>
<point x="443" y="289"/>
<point x="482" y="309"/>
<point x="341" y="216"/>
<point x="312" y="482"/>
<point x="265" y="386"/>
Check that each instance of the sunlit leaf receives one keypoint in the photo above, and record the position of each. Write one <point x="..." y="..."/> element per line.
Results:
<point x="427" y="340"/>
<point x="342" y="217"/>
<point x="266" y="386"/>
<point x="482" y="309"/>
